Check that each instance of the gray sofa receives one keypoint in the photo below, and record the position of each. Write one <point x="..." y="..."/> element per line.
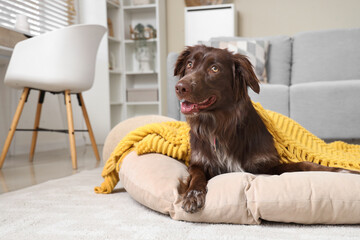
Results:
<point x="313" y="77"/>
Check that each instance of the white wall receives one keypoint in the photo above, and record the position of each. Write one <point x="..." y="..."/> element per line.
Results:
<point x="97" y="98"/>
<point x="4" y="107"/>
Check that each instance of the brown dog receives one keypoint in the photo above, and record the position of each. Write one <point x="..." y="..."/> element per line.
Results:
<point x="227" y="134"/>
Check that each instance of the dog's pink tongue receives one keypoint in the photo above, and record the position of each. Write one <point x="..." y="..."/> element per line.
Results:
<point x="187" y="107"/>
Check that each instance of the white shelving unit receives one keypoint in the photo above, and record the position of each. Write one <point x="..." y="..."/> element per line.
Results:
<point x="127" y="73"/>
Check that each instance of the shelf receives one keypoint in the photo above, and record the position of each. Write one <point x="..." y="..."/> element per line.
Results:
<point x="131" y="41"/>
<point x="142" y="103"/>
<point x="141" y="73"/>
<point x="116" y="103"/>
<point x="136" y="8"/>
<point x="134" y="92"/>
<point x="114" y="39"/>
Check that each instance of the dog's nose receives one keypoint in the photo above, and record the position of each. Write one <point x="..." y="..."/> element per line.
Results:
<point x="182" y="88"/>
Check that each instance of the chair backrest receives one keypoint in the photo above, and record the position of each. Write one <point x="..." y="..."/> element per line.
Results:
<point x="60" y="60"/>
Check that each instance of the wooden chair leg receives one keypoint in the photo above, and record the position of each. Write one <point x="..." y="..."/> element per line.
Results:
<point x="88" y="125"/>
<point x="14" y="125"/>
<point x="36" y="125"/>
<point x="71" y="128"/>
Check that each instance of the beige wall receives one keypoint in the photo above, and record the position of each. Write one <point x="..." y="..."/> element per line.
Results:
<point x="273" y="17"/>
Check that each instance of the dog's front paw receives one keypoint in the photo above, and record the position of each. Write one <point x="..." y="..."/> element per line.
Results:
<point x="194" y="200"/>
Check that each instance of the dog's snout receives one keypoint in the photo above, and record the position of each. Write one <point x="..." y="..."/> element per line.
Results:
<point x="182" y="88"/>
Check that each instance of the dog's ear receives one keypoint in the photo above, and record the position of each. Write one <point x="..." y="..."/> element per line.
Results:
<point x="244" y="76"/>
<point x="180" y="65"/>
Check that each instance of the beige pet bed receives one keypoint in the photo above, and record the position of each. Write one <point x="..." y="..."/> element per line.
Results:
<point x="241" y="198"/>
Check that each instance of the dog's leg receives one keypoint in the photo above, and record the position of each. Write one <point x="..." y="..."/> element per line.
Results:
<point x="306" y="166"/>
<point x="194" y="197"/>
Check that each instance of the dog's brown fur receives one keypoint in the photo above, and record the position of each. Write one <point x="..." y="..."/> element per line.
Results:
<point x="227" y="134"/>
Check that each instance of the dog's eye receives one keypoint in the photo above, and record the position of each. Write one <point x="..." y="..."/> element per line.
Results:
<point x="189" y="65"/>
<point x="214" y="69"/>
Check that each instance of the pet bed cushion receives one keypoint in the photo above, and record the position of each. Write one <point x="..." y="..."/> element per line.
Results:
<point x="242" y="198"/>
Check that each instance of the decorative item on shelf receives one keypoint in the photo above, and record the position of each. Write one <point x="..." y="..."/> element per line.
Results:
<point x="140" y="32"/>
<point x="112" y="61"/>
<point x="142" y="95"/>
<point x="150" y="31"/>
<point x="137" y="33"/>
<point x="141" y="2"/>
<point x="143" y="52"/>
<point x="110" y="27"/>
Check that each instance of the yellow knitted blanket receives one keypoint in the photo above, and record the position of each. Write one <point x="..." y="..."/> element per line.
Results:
<point x="293" y="143"/>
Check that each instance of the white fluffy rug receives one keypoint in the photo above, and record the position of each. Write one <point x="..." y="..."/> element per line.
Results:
<point x="68" y="208"/>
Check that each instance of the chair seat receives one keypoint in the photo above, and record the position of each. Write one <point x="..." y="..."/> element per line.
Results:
<point x="51" y="85"/>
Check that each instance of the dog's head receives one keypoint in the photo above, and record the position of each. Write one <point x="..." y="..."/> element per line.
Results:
<point x="212" y="79"/>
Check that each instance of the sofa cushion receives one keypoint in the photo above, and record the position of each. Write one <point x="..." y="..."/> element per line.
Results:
<point x="326" y="56"/>
<point x="278" y="64"/>
<point x="274" y="97"/>
<point x="327" y="109"/>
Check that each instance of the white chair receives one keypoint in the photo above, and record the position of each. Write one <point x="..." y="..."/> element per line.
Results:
<point x="61" y="61"/>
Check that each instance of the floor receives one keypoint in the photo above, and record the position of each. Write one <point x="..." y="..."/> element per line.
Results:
<point x="18" y="172"/>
